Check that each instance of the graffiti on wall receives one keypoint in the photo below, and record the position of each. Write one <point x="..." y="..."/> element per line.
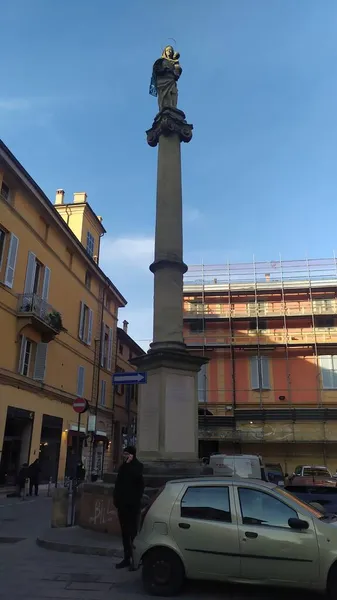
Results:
<point x="104" y="512"/>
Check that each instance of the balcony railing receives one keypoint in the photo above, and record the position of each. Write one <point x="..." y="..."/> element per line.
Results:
<point x="268" y="309"/>
<point x="323" y="335"/>
<point x="44" y="316"/>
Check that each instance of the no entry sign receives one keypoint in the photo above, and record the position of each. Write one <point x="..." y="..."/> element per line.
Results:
<point x="80" y="405"/>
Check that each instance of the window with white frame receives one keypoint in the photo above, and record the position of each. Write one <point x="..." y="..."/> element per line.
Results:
<point x="106" y="347"/>
<point x="11" y="260"/>
<point x="2" y="245"/>
<point x="328" y="368"/>
<point x="202" y="384"/>
<point x="260" y="373"/>
<point x="33" y="357"/>
<point x="103" y="392"/>
<point x="80" y="382"/>
<point x="85" y="324"/>
<point x="37" y="281"/>
<point x="90" y="243"/>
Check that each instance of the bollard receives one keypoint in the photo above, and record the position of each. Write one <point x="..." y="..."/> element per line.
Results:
<point x="59" y="515"/>
<point x="49" y="485"/>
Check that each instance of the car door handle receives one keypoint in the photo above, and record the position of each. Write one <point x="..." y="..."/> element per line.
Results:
<point x="251" y="534"/>
<point x="184" y="525"/>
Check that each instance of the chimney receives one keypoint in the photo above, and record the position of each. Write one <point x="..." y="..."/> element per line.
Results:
<point x="125" y="326"/>
<point x="100" y="219"/>
<point x="80" y="198"/>
<point x="267" y="276"/>
<point x="59" y="198"/>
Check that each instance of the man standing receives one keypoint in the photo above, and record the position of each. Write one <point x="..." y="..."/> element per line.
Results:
<point x="128" y="492"/>
<point x="34" y="477"/>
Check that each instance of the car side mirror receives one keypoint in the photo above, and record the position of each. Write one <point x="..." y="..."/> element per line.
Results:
<point x="298" y="524"/>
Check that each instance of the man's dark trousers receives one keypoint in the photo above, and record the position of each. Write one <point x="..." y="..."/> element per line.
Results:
<point x="128" y="519"/>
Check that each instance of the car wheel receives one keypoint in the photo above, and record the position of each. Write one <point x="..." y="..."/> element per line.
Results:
<point x="163" y="573"/>
<point x="332" y="583"/>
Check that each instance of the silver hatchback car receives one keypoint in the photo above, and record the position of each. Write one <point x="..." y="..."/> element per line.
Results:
<point x="235" y="530"/>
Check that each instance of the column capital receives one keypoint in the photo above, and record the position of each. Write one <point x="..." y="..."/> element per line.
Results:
<point x="169" y="121"/>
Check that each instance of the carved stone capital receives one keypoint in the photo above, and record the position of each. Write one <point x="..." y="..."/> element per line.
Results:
<point x="169" y="121"/>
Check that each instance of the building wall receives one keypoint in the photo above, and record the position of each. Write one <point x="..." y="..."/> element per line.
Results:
<point x="25" y="216"/>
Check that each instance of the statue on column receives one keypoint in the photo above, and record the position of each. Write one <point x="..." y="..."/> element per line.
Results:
<point x="165" y="74"/>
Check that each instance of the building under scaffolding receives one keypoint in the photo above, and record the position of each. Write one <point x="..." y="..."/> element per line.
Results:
<point x="270" y="332"/>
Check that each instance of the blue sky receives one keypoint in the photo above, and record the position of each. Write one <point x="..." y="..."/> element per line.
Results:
<point x="259" y="84"/>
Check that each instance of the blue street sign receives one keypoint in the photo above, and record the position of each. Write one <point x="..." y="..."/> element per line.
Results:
<point x="129" y="378"/>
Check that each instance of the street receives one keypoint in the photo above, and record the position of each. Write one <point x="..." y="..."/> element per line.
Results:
<point x="30" y="572"/>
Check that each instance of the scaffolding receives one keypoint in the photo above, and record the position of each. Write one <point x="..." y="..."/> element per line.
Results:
<point x="284" y="309"/>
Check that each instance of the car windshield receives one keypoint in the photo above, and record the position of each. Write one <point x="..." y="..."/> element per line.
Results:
<point x="316" y="473"/>
<point x="316" y="513"/>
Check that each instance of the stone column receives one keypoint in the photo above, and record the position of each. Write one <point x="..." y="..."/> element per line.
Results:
<point x="167" y="432"/>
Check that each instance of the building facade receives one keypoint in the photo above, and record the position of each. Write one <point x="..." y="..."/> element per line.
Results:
<point x="58" y="315"/>
<point x="125" y="396"/>
<point x="270" y="333"/>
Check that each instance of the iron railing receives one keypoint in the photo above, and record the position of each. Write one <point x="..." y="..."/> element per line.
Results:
<point x="33" y="304"/>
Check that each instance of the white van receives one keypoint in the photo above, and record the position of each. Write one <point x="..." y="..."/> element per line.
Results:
<point x="239" y="465"/>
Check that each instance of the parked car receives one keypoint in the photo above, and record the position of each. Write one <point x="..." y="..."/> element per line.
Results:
<point x="312" y="475"/>
<point x="237" y="530"/>
<point x="239" y="465"/>
<point x="275" y="473"/>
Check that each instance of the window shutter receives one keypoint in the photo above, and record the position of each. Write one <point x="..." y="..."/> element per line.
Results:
<point x="102" y="344"/>
<point x="103" y="391"/>
<point x="109" y="361"/>
<point x="46" y="281"/>
<point x="40" y="362"/>
<point x="202" y="384"/>
<point x="81" y="325"/>
<point x="11" y="261"/>
<point x="30" y="273"/>
<point x="90" y="319"/>
<point x="22" y="353"/>
<point x="326" y="366"/>
<point x="254" y="373"/>
<point x="265" y="377"/>
<point x="80" y="382"/>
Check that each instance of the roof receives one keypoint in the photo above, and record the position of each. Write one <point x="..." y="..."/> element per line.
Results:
<point x="228" y="480"/>
<point x="31" y="184"/>
<point x="124" y="337"/>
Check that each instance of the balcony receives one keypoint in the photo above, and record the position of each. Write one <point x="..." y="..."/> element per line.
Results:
<point x="261" y="310"/>
<point x="40" y="315"/>
<point x="264" y="337"/>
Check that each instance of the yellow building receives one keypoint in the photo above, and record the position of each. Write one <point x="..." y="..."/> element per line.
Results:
<point x="125" y="396"/>
<point x="58" y="317"/>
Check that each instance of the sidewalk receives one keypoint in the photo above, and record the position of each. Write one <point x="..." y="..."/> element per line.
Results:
<point x="81" y="541"/>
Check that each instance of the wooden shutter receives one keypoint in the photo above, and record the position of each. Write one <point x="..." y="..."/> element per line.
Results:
<point x="103" y="392"/>
<point x="11" y="260"/>
<point x="254" y="373"/>
<point x="22" y="353"/>
<point x="102" y="344"/>
<point x="109" y="360"/>
<point x="265" y="375"/>
<point x="80" y="382"/>
<point x="30" y="273"/>
<point x="81" y="324"/>
<point x="40" y="362"/>
<point x="45" y="286"/>
<point x="89" y="334"/>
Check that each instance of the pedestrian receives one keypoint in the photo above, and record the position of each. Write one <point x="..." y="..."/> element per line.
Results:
<point x="128" y="492"/>
<point x="34" y="477"/>
<point x="21" y="481"/>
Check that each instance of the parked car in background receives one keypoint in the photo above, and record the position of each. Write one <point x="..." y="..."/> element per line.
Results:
<point x="275" y="473"/>
<point x="312" y="475"/>
<point x="236" y="530"/>
<point x="239" y="465"/>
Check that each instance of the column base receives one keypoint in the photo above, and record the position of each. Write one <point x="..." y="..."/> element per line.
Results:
<point x="167" y="431"/>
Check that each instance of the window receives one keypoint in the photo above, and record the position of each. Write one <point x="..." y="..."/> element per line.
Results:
<point x="206" y="503"/>
<point x="103" y="392"/>
<point x="37" y="279"/>
<point x="88" y="280"/>
<point x="121" y="349"/>
<point x="197" y="327"/>
<point x="5" y="191"/>
<point x="120" y="388"/>
<point x="258" y="325"/>
<point x="33" y="359"/>
<point x="2" y="245"/>
<point x="85" y="325"/>
<point x="257" y="308"/>
<point x="259" y="508"/>
<point x="259" y="372"/>
<point x="130" y="354"/>
<point x="90" y="243"/>
<point x="324" y="322"/>
<point x="11" y="260"/>
<point x="106" y="347"/>
<point x="324" y="305"/>
<point x="80" y="382"/>
<point x="202" y="384"/>
<point x="328" y="366"/>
